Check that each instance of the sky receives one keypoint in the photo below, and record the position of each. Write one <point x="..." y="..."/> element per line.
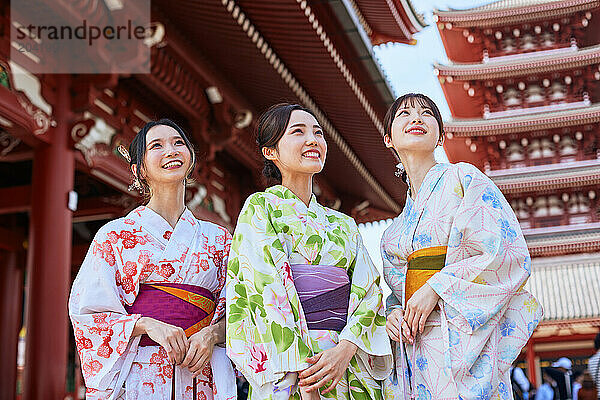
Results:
<point x="410" y="69"/>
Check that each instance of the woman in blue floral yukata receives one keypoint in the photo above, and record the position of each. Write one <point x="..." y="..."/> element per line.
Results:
<point x="456" y="261"/>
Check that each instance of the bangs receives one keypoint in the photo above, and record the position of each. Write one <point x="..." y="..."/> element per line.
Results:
<point x="413" y="100"/>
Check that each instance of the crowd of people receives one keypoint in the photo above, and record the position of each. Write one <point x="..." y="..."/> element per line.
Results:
<point x="561" y="381"/>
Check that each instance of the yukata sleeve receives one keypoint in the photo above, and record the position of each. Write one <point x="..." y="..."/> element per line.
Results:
<point x="365" y="326"/>
<point x="103" y="329"/>
<point x="221" y="276"/>
<point x="264" y="339"/>
<point x="487" y="261"/>
<point x="224" y="384"/>
<point x="394" y="278"/>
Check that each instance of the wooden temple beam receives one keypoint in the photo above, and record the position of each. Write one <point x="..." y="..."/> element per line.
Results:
<point x="17" y="156"/>
<point x="94" y="209"/>
<point x="200" y="66"/>
<point x="15" y="199"/>
<point x="11" y="239"/>
<point x="563" y="338"/>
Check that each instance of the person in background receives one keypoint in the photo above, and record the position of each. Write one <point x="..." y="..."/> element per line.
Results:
<point x="561" y="373"/>
<point x="520" y="383"/>
<point x="577" y="380"/>
<point x="594" y="364"/>
<point x="546" y="391"/>
<point x="588" y="389"/>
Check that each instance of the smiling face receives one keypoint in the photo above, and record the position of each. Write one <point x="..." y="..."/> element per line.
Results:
<point x="302" y="148"/>
<point x="167" y="159"/>
<point x="414" y="128"/>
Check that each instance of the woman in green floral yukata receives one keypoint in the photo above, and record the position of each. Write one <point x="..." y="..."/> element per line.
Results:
<point x="305" y="318"/>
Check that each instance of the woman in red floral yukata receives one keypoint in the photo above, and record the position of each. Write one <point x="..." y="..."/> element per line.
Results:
<point x="147" y="305"/>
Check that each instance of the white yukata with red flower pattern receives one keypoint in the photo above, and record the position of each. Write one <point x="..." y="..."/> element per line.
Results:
<point x="144" y="248"/>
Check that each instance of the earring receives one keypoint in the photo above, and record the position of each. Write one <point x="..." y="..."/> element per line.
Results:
<point x="136" y="185"/>
<point x="399" y="170"/>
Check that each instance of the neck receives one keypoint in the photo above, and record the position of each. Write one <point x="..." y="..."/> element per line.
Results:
<point x="417" y="165"/>
<point x="168" y="201"/>
<point x="300" y="185"/>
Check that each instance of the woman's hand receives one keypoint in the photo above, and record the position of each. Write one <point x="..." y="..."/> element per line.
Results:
<point x="170" y="337"/>
<point x="392" y="327"/>
<point x="201" y="348"/>
<point x="418" y="308"/>
<point x="328" y="366"/>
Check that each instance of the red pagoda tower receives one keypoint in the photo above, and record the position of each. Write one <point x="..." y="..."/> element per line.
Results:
<point x="522" y="87"/>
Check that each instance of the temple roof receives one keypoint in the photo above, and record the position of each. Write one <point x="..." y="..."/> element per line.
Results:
<point x="557" y="240"/>
<point x="508" y="4"/>
<point x="548" y="177"/>
<point x="315" y="54"/>
<point x="388" y="21"/>
<point x="513" y="11"/>
<point x="524" y="123"/>
<point x="523" y="64"/>
<point x="565" y="286"/>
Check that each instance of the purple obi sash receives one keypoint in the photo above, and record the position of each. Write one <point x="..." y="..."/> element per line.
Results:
<point x="324" y="293"/>
<point x="186" y="306"/>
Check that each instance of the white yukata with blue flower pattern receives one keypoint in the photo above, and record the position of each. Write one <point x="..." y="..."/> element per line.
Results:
<point x="484" y="316"/>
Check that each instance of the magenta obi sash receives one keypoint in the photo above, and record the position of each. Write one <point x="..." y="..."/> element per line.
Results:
<point x="186" y="306"/>
<point x="324" y="293"/>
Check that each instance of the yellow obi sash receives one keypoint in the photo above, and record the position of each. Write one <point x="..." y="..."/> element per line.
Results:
<point x="422" y="264"/>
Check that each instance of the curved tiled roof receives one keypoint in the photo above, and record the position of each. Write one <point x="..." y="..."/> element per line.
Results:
<point x="557" y="240"/>
<point x="513" y="11"/>
<point x="523" y="65"/>
<point x="524" y="123"/>
<point x="272" y="40"/>
<point x="549" y="177"/>
<point x="567" y="287"/>
<point x="388" y="20"/>
<point x="508" y="4"/>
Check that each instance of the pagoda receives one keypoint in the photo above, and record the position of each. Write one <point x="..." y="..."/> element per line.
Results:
<point x="522" y="87"/>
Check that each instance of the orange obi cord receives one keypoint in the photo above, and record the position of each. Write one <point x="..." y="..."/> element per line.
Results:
<point x="422" y="265"/>
<point x="203" y="301"/>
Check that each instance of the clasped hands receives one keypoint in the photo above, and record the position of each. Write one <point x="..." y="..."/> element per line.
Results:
<point x="418" y="308"/>
<point x="328" y="368"/>
<point x="193" y="352"/>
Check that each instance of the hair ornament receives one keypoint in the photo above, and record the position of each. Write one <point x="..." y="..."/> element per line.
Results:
<point x="399" y="170"/>
<point x="124" y="152"/>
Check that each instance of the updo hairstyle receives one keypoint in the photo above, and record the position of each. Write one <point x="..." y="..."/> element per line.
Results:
<point x="137" y="151"/>
<point x="270" y="129"/>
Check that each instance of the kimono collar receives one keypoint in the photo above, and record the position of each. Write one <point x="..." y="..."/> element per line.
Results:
<point x="158" y="227"/>
<point x="285" y="193"/>
<point x="429" y="182"/>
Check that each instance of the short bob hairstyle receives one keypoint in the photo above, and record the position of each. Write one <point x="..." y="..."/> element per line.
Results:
<point x="137" y="151"/>
<point x="270" y="129"/>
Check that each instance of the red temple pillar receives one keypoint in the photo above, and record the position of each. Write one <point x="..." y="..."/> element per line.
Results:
<point x="49" y="260"/>
<point x="530" y="353"/>
<point x="11" y="296"/>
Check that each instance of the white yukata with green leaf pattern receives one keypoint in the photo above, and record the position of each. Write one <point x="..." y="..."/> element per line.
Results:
<point x="267" y="334"/>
